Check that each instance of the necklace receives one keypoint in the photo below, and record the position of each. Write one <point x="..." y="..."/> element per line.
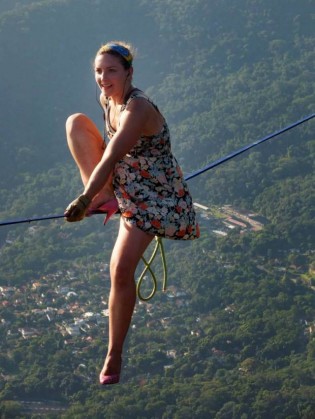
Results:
<point x="115" y="110"/>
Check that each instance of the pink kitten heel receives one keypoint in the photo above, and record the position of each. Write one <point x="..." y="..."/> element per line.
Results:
<point x="109" y="379"/>
<point x="109" y="208"/>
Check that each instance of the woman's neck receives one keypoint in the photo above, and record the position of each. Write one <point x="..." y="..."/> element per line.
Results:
<point x="117" y="101"/>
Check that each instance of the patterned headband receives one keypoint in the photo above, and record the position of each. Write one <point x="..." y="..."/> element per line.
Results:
<point x="121" y="50"/>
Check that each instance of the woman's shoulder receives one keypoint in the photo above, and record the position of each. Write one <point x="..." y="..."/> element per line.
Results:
<point x="143" y="101"/>
<point x="134" y="94"/>
<point x="137" y="104"/>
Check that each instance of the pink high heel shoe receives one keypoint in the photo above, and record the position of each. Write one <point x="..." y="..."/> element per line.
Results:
<point x="109" y="379"/>
<point x="109" y="208"/>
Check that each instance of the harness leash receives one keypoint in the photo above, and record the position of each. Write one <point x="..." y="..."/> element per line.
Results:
<point x="159" y="243"/>
<point x="158" y="246"/>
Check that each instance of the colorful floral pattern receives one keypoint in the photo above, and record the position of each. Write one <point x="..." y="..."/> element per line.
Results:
<point x="150" y="189"/>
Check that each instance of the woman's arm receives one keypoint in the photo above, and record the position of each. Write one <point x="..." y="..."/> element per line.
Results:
<point x="133" y="123"/>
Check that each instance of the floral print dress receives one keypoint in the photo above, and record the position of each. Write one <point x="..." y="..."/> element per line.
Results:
<point x="149" y="185"/>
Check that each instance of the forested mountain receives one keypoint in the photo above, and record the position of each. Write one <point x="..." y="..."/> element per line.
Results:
<point x="234" y="335"/>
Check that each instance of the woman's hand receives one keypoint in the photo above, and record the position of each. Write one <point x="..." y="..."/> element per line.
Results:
<point x="77" y="209"/>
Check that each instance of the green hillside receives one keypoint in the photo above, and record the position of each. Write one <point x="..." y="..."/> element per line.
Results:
<point x="233" y="337"/>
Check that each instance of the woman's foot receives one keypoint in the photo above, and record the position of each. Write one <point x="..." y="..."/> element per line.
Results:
<point x="109" y="379"/>
<point x="109" y="208"/>
<point x="106" y="195"/>
<point x="110" y="373"/>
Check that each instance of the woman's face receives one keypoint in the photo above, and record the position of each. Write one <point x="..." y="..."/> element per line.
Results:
<point x="111" y="76"/>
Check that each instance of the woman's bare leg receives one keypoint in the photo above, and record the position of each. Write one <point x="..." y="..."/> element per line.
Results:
<point x="87" y="147"/>
<point x="130" y="245"/>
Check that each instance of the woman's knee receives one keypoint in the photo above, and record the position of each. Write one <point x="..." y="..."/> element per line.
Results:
<point x="75" y="122"/>
<point x="121" y="273"/>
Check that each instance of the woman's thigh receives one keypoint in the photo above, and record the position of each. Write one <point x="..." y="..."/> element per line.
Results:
<point x="85" y="143"/>
<point x="130" y="245"/>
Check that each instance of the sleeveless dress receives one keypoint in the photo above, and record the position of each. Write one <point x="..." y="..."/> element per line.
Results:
<point x="149" y="185"/>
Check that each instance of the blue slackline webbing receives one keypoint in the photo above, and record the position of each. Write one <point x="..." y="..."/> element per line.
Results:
<point x="247" y="147"/>
<point x="191" y="175"/>
<point x="29" y="220"/>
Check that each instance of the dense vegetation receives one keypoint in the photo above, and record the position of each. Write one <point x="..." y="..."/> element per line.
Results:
<point x="234" y="335"/>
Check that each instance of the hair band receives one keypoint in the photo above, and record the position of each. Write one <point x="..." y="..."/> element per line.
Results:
<point x="121" y="50"/>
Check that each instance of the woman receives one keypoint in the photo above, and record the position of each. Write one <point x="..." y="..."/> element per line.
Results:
<point x="135" y="173"/>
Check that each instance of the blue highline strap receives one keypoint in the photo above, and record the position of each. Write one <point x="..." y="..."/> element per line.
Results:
<point x="29" y="220"/>
<point x="247" y="147"/>
<point x="191" y="175"/>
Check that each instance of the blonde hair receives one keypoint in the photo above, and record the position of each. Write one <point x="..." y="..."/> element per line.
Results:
<point x="120" y="49"/>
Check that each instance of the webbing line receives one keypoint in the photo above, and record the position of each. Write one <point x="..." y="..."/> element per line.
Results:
<point x="187" y="177"/>
<point x="247" y="147"/>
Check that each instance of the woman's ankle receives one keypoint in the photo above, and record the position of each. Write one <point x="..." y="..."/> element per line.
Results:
<point x="112" y="363"/>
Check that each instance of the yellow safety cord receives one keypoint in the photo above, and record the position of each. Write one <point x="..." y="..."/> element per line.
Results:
<point x="158" y="246"/>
